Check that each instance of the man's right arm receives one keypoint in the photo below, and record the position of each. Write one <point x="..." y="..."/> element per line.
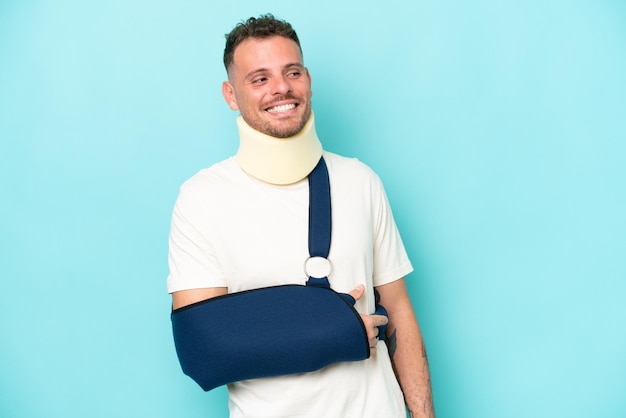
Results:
<point x="187" y="297"/>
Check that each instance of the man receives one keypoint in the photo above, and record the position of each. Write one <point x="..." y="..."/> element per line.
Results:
<point x="242" y="224"/>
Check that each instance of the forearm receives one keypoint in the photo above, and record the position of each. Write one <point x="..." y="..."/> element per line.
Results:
<point x="408" y="352"/>
<point x="187" y="297"/>
<point x="410" y="362"/>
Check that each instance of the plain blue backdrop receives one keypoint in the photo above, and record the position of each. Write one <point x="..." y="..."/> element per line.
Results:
<point x="498" y="128"/>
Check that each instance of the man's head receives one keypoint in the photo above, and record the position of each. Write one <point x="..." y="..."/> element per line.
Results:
<point x="267" y="80"/>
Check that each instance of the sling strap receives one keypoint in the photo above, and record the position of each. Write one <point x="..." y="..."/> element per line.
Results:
<point x="320" y="220"/>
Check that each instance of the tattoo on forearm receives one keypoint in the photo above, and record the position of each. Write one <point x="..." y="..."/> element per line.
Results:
<point x="391" y="344"/>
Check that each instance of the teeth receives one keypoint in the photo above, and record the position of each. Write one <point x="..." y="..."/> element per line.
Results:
<point x="281" y="108"/>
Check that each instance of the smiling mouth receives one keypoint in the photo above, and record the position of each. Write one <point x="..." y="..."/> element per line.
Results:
<point x="281" y="108"/>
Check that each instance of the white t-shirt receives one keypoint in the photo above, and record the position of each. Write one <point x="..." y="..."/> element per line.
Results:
<point x="232" y="230"/>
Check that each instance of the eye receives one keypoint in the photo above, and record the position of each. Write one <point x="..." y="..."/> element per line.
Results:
<point x="259" y="80"/>
<point x="294" y="74"/>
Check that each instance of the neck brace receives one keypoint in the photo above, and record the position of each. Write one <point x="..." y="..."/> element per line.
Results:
<point x="278" y="160"/>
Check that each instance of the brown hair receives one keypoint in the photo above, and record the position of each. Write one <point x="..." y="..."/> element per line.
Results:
<point x="264" y="26"/>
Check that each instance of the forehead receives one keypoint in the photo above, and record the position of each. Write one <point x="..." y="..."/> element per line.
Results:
<point x="275" y="51"/>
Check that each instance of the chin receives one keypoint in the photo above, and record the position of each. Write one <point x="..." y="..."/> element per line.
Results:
<point x="283" y="130"/>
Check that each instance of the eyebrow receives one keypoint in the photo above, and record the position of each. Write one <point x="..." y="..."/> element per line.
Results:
<point x="264" y="70"/>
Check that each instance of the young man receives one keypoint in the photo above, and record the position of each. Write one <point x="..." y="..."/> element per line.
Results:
<point x="242" y="224"/>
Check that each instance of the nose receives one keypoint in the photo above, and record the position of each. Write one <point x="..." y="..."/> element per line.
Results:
<point x="281" y="85"/>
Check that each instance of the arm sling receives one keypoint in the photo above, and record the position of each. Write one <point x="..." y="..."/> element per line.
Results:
<point x="277" y="330"/>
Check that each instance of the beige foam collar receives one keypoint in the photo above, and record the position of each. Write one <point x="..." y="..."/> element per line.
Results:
<point x="278" y="160"/>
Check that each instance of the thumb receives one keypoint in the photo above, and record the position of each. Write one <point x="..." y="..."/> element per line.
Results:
<point x="357" y="292"/>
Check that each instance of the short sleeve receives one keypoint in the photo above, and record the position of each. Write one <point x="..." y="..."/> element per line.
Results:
<point x="391" y="261"/>
<point x="192" y="261"/>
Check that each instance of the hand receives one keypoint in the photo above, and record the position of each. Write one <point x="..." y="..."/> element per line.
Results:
<point x="371" y="322"/>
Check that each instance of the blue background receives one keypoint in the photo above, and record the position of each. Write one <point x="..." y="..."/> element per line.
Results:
<point x="498" y="128"/>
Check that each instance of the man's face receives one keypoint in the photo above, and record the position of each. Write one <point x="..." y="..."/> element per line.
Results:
<point x="270" y="86"/>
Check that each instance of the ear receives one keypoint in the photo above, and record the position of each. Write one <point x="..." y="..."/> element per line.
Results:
<point x="229" y="95"/>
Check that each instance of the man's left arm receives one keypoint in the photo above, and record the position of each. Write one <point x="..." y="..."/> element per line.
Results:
<point x="407" y="349"/>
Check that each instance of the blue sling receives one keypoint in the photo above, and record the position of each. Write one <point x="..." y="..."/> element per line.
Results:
<point x="277" y="330"/>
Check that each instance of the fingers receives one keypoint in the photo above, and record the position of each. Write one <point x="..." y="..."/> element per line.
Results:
<point x="378" y="320"/>
<point x="372" y="322"/>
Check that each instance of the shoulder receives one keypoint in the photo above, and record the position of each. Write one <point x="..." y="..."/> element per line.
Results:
<point x="209" y="186"/>
<point x="218" y="176"/>
<point x="349" y="165"/>
<point x="350" y="169"/>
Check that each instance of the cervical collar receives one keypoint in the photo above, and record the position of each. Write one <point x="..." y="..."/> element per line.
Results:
<point x="278" y="160"/>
